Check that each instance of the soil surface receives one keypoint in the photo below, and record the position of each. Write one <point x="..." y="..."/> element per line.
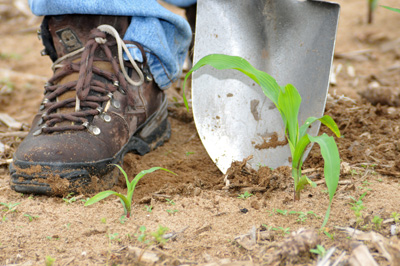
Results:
<point x="194" y="218"/>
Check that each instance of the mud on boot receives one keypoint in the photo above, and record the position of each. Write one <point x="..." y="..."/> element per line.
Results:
<point x="95" y="109"/>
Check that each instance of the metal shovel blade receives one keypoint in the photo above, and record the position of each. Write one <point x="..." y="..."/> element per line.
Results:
<point x="291" y="40"/>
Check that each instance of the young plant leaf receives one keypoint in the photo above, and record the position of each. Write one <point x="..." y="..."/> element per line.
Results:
<point x="392" y="8"/>
<point x="326" y="120"/>
<point x="289" y="104"/>
<point x="304" y="180"/>
<point x="219" y="61"/>
<point x="103" y="195"/>
<point x="331" y="157"/>
<point x="126" y="201"/>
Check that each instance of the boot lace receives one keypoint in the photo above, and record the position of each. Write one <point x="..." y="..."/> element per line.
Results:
<point x="93" y="97"/>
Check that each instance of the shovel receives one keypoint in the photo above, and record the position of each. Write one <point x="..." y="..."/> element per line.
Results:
<point x="291" y="40"/>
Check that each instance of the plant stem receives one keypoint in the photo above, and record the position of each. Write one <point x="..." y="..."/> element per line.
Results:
<point x="370" y="13"/>
<point x="296" y="172"/>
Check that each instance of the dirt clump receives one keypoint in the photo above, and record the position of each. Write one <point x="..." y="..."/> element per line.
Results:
<point x="241" y="177"/>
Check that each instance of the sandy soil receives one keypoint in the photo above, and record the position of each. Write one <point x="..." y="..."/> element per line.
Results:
<point x="207" y="223"/>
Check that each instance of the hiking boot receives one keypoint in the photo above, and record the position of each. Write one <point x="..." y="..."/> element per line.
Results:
<point x="95" y="109"/>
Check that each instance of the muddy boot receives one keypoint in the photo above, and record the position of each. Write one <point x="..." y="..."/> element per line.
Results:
<point x="95" y="109"/>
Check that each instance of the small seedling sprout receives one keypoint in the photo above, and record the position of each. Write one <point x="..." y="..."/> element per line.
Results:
<point x="49" y="261"/>
<point x="245" y="195"/>
<point x="11" y="207"/>
<point x="320" y="251"/>
<point x="377" y="221"/>
<point x="287" y="100"/>
<point x="148" y="208"/>
<point x="172" y="211"/>
<point x="30" y="217"/>
<point x="170" y="201"/>
<point x="156" y="237"/>
<point x="126" y="200"/>
<point x="357" y="207"/>
<point x="395" y="216"/>
<point x="283" y="212"/>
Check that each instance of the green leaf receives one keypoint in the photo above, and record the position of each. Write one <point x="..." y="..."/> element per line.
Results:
<point x="330" y="154"/>
<point x="143" y="173"/>
<point x="304" y="180"/>
<point x="219" y="61"/>
<point x="131" y="186"/>
<point x="392" y="8"/>
<point x="297" y="158"/>
<point x="289" y="102"/>
<point x="103" y="195"/>
<point x="123" y="172"/>
<point x="326" y="120"/>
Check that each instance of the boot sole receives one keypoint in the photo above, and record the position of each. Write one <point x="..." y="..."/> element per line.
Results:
<point x="62" y="178"/>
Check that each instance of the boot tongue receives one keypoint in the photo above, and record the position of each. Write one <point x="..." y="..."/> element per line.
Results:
<point x="71" y="32"/>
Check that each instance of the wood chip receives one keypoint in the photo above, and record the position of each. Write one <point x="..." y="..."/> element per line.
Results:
<point x="10" y="122"/>
<point x="18" y="134"/>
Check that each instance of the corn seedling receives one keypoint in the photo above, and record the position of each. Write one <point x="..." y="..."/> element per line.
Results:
<point x="377" y="221"/>
<point x="331" y="236"/>
<point x="245" y="195"/>
<point x="395" y="216"/>
<point x="114" y="237"/>
<point x="11" y="207"/>
<point x="189" y="153"/>
<point x="49" y="261"/>
<point x="156" y="237"/>
<point x="170" y="201"/>
<point x="69" y="198"/>
<point x="30" y="217"/>
<point x="148" y="208"/>
<point x="287" y="100"/>
<point x="126" y="200"/>
<point x="172" y="211"/>
<point x="357" y="207"/>
<point x="302" y="216"/>
<point x="123" y="219"/>
<point x="283" y="212"/>
<point x="320" y="251"/>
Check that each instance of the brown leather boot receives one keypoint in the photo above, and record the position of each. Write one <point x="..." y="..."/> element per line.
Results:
<point x="95" y="109"/>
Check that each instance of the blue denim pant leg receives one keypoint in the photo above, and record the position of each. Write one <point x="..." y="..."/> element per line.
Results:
<point x="164" y="35"/>
<point x="181" y="3"/>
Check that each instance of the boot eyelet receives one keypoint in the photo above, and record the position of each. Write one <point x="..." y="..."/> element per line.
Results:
<point x="121" y="91"/>
<point x="94" y="130"/>
<point x="116" y="104"/>
<point x="99" y="109"/>
<point x="107" y="118"/>
<point x="41" y="107"/>
<point x="39" y="34"/>
<point x="37" y="132"/>
<point x="149" y="78"/>
<point x="116" y="83"/>
<point x="85" y="124"/>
